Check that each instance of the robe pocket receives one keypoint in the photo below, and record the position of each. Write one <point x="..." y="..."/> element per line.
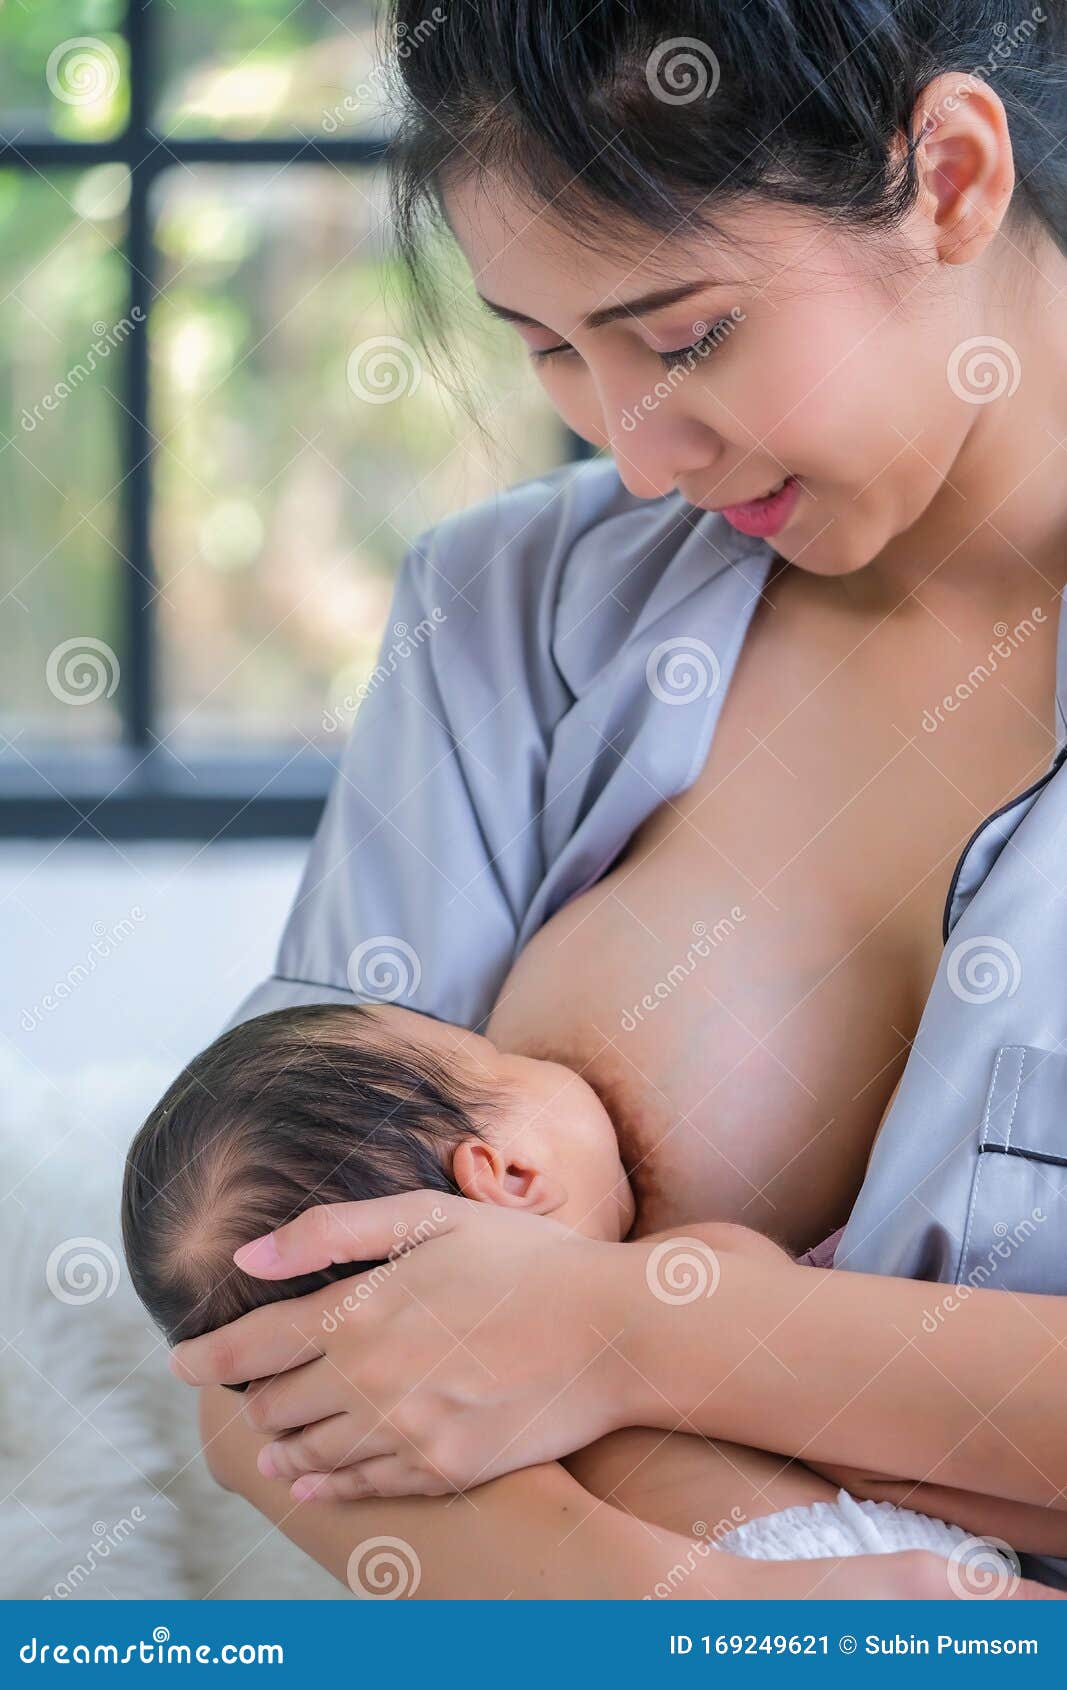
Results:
<point x="1015" y="1232"/>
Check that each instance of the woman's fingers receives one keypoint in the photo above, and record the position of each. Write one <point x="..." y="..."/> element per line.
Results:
<point x="386" y="1476"/>
<point x="264" y="1342"/>
<point x="302" y="1397"/>
<point x="461" y="1347"/>
<point x="349" y="1232"/>
<point x="283" y="1335"/>
<point x="323" y="1448"/>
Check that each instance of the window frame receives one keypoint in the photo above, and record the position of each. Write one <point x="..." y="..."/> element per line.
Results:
<point x="138" y="788"/>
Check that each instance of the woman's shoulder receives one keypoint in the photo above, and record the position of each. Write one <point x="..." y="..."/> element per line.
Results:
<point x="540" y="518"/>
<point x="578" y="551"/>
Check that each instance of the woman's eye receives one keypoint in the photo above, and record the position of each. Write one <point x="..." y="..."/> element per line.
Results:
<point x="708" y="343"/>
<point x="702" y="348"/>
<point x="551" y="352"/>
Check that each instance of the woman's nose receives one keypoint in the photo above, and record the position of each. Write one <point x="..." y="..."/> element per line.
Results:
<point x="653" y="440"/>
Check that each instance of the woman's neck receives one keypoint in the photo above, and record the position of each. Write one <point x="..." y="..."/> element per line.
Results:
<point x="997" y="528"/>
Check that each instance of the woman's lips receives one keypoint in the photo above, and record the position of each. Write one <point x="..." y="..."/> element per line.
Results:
<point x="765" y="517"/>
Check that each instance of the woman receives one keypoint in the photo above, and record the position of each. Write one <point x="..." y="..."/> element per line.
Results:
<point x="741" y="245"/>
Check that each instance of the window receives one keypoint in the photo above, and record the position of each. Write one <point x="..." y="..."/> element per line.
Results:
<point x="205" y="497"/>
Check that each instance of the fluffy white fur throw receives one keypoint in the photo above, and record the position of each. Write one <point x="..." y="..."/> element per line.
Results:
<point x="102" y="1490"/>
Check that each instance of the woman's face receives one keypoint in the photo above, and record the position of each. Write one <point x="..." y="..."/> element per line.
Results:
<point x="801" y="350"/>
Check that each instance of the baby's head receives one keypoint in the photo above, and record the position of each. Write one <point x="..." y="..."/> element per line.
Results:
<point x="336" y="1102"/>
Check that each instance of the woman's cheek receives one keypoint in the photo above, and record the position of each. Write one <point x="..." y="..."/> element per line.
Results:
<point x="573" y="397"/>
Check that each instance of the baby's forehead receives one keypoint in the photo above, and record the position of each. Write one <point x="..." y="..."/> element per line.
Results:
<point x="425" y="1032"/>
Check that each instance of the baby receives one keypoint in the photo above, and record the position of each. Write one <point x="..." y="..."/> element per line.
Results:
<point x="336" y="1102"/>
<point x="332" y="1103"/>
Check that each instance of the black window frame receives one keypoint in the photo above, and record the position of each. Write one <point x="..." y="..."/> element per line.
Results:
<point x="138" y="788"/>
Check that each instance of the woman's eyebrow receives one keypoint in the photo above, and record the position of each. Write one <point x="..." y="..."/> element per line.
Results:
<point x="611" y="313"/>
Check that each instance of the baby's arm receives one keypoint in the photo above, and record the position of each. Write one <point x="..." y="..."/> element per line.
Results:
<point x="703" y="1489"/>
<point x="1029" y="1529"/>
<point x="692" y="1485"/>
<point x="676" y="1480"/>
<point x="686" y="1483"/>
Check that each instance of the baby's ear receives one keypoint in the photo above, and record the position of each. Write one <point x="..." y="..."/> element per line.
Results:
<point x="486" y="1175"/>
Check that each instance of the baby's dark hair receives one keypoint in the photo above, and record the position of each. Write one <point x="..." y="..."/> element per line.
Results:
<point x="284" y="1111"/>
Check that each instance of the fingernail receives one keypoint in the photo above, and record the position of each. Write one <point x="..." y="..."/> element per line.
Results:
<point x="265" y="1463"/>
<point x="304" y="1488"/>
<point x="260" y="1253"/>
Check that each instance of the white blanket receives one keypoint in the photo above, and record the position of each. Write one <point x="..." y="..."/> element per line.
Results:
<point x="102" y="1490"/>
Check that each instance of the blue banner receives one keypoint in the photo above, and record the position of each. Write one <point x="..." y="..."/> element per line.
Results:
<point x="539" y="1644"/>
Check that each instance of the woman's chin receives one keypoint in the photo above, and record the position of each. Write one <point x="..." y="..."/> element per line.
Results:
<point x="825" y="557"/>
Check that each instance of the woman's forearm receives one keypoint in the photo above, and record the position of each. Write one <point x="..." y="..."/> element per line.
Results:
<point x="537" y="1534"/>
<point x="851" y="1369"/>
<point x="533" y="1534"/>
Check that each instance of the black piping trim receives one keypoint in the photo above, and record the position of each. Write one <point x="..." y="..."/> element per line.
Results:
<point x="1004" y="808"/>
<point x="1019" y="1150"/>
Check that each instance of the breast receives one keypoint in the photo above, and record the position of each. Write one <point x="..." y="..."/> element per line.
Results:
<point x="745" y="1049"/>
<point x="743" y="986"/>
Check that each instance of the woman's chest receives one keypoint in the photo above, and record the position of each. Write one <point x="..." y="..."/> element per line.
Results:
<point x="742" y="987"/>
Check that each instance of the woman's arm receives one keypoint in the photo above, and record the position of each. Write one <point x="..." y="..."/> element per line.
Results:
<point x="528" y="1343"/>
<point x="837" y="1367"/>
<point x="538" y="1534"/>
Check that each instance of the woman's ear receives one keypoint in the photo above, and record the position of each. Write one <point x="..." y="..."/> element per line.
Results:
<point x="964" y="162"/>
<point x="486" y="1175"/>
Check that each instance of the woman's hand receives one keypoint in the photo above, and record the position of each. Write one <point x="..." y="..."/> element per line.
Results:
<point x="486" y="1346"/>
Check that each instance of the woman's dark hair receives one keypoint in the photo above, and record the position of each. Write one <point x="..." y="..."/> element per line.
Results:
<point x="658" y="113"/>
<point x="289" y="1109"/>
